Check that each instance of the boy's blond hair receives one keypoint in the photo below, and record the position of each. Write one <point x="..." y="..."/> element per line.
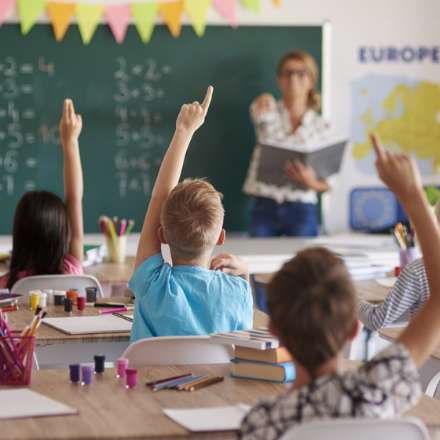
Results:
<point x="192" y="218"/>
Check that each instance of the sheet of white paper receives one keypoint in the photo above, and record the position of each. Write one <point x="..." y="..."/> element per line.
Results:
<point x="220" y="418"/>
<point x="79" y="325"/>
<point x="21" y="403"/>
<point x="386" y="282"/>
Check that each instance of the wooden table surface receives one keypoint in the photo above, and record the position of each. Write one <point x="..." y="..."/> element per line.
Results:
<point x="49" y="335"/>
<point x="108" y="411"/>
<point x="368" y="290"/>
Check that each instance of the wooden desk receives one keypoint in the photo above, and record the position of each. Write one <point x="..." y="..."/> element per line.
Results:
<point x="57" y="349"/>
<point x="368" y="290"/>
<point x="108" y="411"/>
<point x="112" y="273"/>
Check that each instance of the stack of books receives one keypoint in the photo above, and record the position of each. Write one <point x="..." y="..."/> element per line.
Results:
<point x="257" y="355"/>
<point x="8" y="301"/>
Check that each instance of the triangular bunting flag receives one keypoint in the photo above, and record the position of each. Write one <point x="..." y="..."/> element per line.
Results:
<point x="197" y="11"/>
<point x="253" y="5"/>
<point x="88" y="16"/>
<point x="6" y="6"/>
<point x="226" y="8"/>
<point x="172" y="14"/>
<point x="144" y="15"/>
<point x="60" y="15"/>
<point x="276" y="2"/>
<point x="30" y="11"/>
<point x="118" y="17"/>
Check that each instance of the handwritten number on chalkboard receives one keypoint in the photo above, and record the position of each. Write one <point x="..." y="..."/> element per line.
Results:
<point x="121" y="73"/>
<point x="10" y="68"/>
<point x="49" y="68"/>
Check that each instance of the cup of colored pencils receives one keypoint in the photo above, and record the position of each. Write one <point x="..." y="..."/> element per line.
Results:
<point x="116" y="231"/>
<point x="405" y="240"/>
<point x="17" y="351"/>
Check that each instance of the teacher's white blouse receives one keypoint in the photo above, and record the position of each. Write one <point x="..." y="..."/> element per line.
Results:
<point x="275" y="126"/>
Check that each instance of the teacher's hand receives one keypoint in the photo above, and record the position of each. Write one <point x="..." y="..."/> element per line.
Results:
<point x="264" y="103"/>
<point x="304" y="175"/>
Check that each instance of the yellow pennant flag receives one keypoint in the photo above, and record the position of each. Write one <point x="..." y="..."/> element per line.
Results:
<point x="276" y="2"/>
<point x="88" y="16"/>
<point x="144" y="15"/>
<point x="197" y="11"/>
<point x="172" y="14"/>
<point x="30" y="11"/>
<point x="253" y="5"/>
<point x="60" y="15"/>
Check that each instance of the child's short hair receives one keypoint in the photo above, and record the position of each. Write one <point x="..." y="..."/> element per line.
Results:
<point x="192" y="218"/>
<point x="312" y="306"/>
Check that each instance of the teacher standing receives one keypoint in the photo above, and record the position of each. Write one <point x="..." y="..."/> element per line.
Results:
<point x="293" y="121"/>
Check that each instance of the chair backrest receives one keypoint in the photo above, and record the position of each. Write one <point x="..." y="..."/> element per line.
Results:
<point x="179" y="350"/>
<point x="57" y="282"/>
<point x="360" y="429"/>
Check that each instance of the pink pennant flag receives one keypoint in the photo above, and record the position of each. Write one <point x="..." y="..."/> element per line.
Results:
<point x="6" y="7"/>
<point x="118" y="17"/>
<point x="226" y="8"/>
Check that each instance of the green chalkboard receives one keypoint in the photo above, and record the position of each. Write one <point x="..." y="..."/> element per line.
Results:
<point x="129" y="96"/>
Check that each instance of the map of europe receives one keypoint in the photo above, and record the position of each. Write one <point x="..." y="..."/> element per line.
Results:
<point x="406" y="115"/>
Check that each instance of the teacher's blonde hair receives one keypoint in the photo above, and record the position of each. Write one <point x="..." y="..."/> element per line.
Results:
<point x="314" y="99"/>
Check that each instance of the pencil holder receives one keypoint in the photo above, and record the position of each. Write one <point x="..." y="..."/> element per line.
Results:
<point x="407" y="256"/>
<point x="116" y="248"/>
<point x="16" y="359"/>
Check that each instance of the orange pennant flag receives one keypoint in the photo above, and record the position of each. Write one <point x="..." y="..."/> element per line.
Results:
<point x="172" y="15"/>
<point x="276" y="2"/>
<point x="60" y="15"/>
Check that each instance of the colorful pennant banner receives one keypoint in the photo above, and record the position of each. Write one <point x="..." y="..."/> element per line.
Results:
<point x="118" y="15"/>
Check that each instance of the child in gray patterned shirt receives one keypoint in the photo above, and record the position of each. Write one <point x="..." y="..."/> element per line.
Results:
<point x="313" y="311"/>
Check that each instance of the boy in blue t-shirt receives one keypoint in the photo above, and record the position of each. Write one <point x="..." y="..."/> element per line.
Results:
<point x="196" y="295"/>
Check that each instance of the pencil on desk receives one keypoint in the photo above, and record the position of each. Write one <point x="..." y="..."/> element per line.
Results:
<point x="209" y="380"/>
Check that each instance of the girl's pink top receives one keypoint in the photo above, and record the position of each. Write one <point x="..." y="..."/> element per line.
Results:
<point x="71" y="266"/>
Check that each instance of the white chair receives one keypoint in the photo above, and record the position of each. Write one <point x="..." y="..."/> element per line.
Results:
<point x="360" y="429"/>
<point x="179" y="350"/>
<point x="57" y="282"/>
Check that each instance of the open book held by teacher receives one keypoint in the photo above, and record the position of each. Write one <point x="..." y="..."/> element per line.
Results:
<point x="325" y="159"/>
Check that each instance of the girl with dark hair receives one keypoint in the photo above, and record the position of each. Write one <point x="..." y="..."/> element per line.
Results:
<point x="47" y="232"/>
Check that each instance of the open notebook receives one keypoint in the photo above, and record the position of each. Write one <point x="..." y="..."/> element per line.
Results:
<point x="22" y="403"/>
<point x="82" y="325"/>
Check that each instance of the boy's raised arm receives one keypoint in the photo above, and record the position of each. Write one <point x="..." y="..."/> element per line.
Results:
<point x="400" y="174"/>
<point x="190" y="118"/>
<point x="70" y="129"/>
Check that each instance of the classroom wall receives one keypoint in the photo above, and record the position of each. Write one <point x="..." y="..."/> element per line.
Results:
<point x="357" y="23"/>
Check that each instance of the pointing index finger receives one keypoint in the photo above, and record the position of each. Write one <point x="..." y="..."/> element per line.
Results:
<point x="377" y="146"/>
<point x="207" y="99"/>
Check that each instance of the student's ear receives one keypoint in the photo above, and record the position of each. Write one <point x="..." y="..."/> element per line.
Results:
<point x="221" y="238"/>
<point x="355" y="330"/>
<point x="161" y="235"/>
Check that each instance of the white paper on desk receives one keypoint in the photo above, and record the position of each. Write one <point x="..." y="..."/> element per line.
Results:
<point x="83" y="325"/>
<point x="386" y="282"/>
<point x="219" y="418"/>
<point x="22" y="403"/>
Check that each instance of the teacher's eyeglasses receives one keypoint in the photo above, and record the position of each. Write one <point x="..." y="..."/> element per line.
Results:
<point x="300" y="73"/>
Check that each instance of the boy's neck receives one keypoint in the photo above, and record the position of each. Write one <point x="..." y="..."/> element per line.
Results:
<point x="303" y="377"/>
<point x="202" y="261"/>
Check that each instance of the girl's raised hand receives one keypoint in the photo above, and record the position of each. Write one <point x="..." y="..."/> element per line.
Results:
<point x="192" y="116"/>
<point x="70" y="124"/>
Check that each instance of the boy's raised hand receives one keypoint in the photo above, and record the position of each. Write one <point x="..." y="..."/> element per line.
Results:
<point x="398" y="171"/>
<point x="192" y="116"/>
<point x="70" y="124"/>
